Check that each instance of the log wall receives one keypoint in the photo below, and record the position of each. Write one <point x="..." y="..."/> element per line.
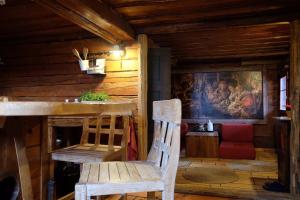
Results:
<point x="49" y="71"/>
<point x="263" y="131"/>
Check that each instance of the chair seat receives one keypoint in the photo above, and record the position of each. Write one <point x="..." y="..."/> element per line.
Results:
<point x="237" y="150"/>
<point x="86" y="153"/>
<point x="112" y="177"/>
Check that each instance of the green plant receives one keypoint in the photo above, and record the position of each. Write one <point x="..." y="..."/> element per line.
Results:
<point x="94" y="96"/>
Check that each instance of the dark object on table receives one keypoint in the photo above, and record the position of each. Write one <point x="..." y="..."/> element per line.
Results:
<point x="201" y="127"/>
<point x="275" y="186"/>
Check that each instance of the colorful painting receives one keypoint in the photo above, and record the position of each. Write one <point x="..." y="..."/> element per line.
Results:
<point x="220" y="95"/>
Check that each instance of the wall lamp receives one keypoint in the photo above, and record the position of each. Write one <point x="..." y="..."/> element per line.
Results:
<point x="94" y="63"/>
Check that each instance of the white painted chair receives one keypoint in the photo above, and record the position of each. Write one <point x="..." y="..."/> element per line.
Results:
<point x="156" y="174"/>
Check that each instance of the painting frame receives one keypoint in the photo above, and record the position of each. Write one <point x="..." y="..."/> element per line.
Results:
<point x="263" y="120"/>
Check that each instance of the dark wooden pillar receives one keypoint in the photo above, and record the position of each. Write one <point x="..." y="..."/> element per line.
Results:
<point x="294" y="99"/>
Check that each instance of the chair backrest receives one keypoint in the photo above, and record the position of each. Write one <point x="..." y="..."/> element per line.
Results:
<point x="237" y="132"/>
<point x="109" y="124"/>
<point x="165" y="148"/>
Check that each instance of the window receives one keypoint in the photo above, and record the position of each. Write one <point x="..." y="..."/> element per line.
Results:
<point x="283" y="93"/>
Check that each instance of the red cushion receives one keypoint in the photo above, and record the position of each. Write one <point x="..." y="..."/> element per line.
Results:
<point x="237" y="132"/>
<point x="184" y="128"/>
<point x="237" y="150"/>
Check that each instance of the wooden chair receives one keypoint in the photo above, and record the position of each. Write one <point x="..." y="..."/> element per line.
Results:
<point x="156" y="174"/>
<point x="97" y="151"/>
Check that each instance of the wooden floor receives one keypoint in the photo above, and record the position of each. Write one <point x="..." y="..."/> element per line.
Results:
<point x="252" y="174"/>
<point x="251" y="177"/>
<point x="178" y="196"/>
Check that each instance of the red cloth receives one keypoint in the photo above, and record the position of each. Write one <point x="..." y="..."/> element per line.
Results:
<point x="237" y="132"/>
<point x="237" y="141"/>
<point x="184" y="128"/>
<point x="132" y="148"/>
<point x="237" y="150"/>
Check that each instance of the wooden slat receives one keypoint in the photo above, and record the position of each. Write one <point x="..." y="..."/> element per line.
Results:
<point x="93" y="16"/>
<point x="294" y="100"/>
<point x="133" y="173"/>
<point x="113" y="172"/>
<point x="146" y="175"/>
<point x="112" y="132"/>
<point x="166" y="152"/>
<point x="94" y="173"/>
<point x="85" y="173"/>
<point x="124" y="175"/>
<point x="85" y="134"/>
<point x="104" y="173"/>
<point x="142" y="97"/>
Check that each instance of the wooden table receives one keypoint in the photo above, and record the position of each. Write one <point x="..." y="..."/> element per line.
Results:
<point x="13" y="117"/>
<point x="202" y="144"/>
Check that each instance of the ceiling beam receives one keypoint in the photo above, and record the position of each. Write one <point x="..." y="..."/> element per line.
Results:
<point x="93" y="16"/>
<point x="213" y="25"/>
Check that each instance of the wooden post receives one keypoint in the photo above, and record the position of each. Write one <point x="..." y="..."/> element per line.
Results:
<point x="294" y="99"/>
<point x="45" y="158"/>
<point x="142" y="97"/>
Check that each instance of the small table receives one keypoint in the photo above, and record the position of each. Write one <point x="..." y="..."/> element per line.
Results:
<point x="202" y="144"/>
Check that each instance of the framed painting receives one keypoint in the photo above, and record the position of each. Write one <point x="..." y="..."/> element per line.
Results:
<point x="224" y="95"/>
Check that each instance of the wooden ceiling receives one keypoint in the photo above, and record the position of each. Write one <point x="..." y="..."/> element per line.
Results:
<point x="193" y="29"/>
<point x="23" y="21"/>
<point x="211" y="29"/>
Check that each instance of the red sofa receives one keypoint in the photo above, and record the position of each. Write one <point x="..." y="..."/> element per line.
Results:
<point x="237" y="142"/>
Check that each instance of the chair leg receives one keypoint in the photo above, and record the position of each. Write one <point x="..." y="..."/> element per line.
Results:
<point x="168" y="193"/>
<point x="124" y="197"/>
<point x="151" y="195"/>
<point x="80" y="192"/>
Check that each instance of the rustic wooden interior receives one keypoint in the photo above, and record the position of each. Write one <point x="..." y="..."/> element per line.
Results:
<point x="36" y="61"/>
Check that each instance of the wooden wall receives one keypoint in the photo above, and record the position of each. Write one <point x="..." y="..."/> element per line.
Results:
<point x="263" y="132"/>
<point x="48" y="71"/>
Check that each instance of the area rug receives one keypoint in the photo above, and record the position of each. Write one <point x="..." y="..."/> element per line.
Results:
<point x="208" y="175"/>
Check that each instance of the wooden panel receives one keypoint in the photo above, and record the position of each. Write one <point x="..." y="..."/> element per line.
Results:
<point x="294" y="99"/>
<point x="202" y="146"/>
<point x="196" y="29"/>
<point x="36" y="48"/>
<point x="33" y="155"/>
<point x="29" y="76"/>
<point x="142" y="96"/>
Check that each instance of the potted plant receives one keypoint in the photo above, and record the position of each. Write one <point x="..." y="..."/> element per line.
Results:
<point x="94" y="97"/>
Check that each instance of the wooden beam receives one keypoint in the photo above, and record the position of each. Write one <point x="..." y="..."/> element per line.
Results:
<point x="45" y="159"/>
<point x="294" y="99"/>
<point x="142" y="97"/>
<point x="210" y="25"/>
<point x="93" y="16"/>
